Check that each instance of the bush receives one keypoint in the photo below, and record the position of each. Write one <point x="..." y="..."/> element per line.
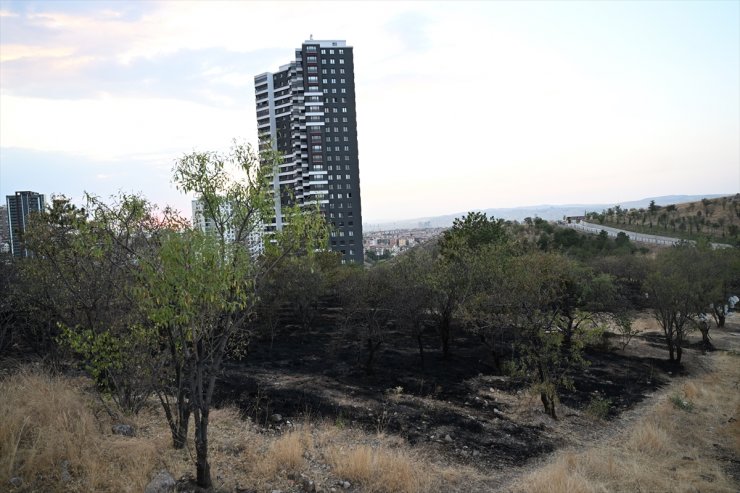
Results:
<point x="599" y="407"/>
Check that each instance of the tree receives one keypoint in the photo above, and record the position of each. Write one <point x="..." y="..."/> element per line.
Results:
<point x="482" y="310"/>
<point x="451" y="276"/>
<point x="677" y="295"/>
<point x="411" y="275"/>
<point x="529" y="292"/>
<point x="200" y="288"/>
<point x="473" y="231"/>
<point x="450" y="283"/>
<point x="367" y="302"/>
<point x="85" y="271"/>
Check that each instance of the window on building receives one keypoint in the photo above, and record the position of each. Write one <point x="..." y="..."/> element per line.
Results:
<point x="341" y="60"/>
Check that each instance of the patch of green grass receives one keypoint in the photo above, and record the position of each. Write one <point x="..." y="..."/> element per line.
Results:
<point x="680" y="403"/>
<point x="599" y="407"/>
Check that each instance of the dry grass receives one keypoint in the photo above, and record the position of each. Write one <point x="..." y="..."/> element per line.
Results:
<point x="671" y="449"/>
<point x="49" y="421"/>
<point x="379" y="469"/>
<point x="51" y="439"/>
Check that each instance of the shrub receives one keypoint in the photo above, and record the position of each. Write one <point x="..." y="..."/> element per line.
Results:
<point x="599" y="407"/>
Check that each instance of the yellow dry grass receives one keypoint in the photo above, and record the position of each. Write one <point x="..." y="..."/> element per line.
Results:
<point x="672" y="448"/>
<point x="51" y="440"/>
<point x="380" y="469"/>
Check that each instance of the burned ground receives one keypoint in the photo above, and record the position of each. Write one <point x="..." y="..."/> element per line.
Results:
<point x="461" y="407"/>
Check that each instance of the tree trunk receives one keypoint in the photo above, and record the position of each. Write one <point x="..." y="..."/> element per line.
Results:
<point x="496" y="359"/>
<point x="444" y="333"/>
<point x="704" y="329"/>
<point x="547" y="398"/>
<point x="421" y="348"/>
<point x="679" y="351"/>
<point x="180" y="436"/>
<point x="549" y="404"/>
<point x="203" y="469"/>
<point x="371" y="349"/>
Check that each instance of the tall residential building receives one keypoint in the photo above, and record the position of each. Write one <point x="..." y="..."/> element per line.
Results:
<point x="20" y="206"/>
<point x="4" y="230"/>
<point x="204" y="223"/>
<point x="306" y="110"/>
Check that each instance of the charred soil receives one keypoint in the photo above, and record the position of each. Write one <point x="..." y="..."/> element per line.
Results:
<point x="460" y="407"/>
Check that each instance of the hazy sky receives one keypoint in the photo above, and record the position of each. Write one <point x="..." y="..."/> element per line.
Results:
<point x="459" y="105"/>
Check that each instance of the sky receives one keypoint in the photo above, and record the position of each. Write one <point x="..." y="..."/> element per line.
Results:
<point x="460" y="105"/>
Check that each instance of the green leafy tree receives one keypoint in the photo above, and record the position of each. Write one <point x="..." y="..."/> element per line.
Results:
<point x="678" y="294"/>
<point x="367" y="308"/>
<point x="201" y="289"/>
<point x="530" y="293"/>
<point x="451" y="280"/>
<point x="722" y="267"/>
<point x="410" y="277"/>
<point x="473" y="231"/>
<point x="85" y="273"/>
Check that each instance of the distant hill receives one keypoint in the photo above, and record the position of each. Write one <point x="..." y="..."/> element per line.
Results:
<point x="716" y="218"/>
<point x="547" y="212"/>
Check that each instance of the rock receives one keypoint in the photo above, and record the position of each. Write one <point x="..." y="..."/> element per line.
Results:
<point x="308" y="485"/>
<point x="332" y="490"/>
<point x="16" y="481"/>
<point x="448" y="439"/>
<point x="277" y="491"/>
<point x="66" y="476"/>
<point x="476" y="453"/>
<point x="121" y="429"/>
<point x="276" y="418"/>
<point x="163" y="482"/>
<point x="346" y="484"/>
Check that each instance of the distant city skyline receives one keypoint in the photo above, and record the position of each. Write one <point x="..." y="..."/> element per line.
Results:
<point x="464" y="105"/>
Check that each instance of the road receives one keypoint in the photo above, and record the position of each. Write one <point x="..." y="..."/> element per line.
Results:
<point x="639" y="237"/>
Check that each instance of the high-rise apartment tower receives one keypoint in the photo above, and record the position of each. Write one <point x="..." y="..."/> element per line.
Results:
<point x="306" y="110"/>
<point x="19" y="207"/>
